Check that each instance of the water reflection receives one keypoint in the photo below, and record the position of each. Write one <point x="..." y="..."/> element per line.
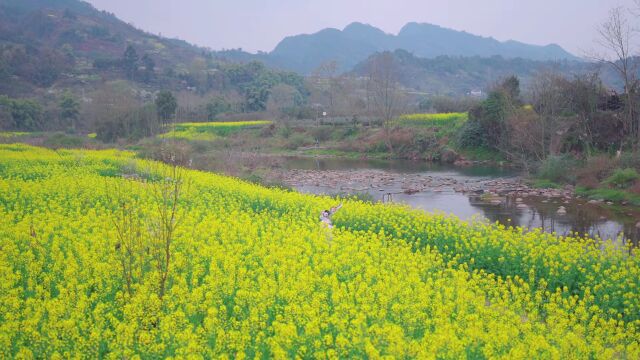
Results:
<point x="581" y="218"/>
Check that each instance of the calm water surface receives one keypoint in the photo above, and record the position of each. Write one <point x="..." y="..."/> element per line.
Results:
<point x="581" y="217"/>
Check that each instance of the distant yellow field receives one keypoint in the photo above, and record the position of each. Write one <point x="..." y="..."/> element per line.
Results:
<point x="9" y="134"/>
<point x="210" y="130"/>
<point x="441" y="119"/>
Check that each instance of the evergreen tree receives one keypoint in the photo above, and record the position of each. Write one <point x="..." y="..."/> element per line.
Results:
<point x="130" y="62"/>
<point x="166" y="105"/>
<point x="149" y="67"/>
<point x="69" y="110"/>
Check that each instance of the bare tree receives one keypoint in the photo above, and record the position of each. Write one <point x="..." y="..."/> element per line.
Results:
<point x="616" y="36"/>
<point x="167" y="192"/>
<point x="109" y="102"/>
<point x="282" y="98"/>
<point x="144" y="239"/>
<point x="127" y="220"/>
<point x="548" y="103"/>
<point x="382" y="87"/>
<point x="327" y="72"/>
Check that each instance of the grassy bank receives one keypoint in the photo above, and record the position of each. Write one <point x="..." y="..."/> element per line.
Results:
<point x="600" y="177"/>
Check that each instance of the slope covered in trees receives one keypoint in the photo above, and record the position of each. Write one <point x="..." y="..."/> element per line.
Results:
<point x="455" y="75"/>
<point x="49" y="49"/>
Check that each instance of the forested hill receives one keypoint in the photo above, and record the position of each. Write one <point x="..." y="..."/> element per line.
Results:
<point x="455" y="75"/>
<point x="45" y="41"/>
<point x="357" y="41"/>
<point x="47" y="46"/>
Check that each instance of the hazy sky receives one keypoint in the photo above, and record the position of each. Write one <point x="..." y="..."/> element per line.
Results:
<point x="260" y="24"/>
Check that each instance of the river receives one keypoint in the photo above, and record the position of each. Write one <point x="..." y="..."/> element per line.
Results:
<point x="436" y="188"/>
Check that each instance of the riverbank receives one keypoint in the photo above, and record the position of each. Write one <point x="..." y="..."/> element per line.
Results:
<point x="256" y="154"/>
<point x="503" y="197"/>
<point x="379" y="180"/>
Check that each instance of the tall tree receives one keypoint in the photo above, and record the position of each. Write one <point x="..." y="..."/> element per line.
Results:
<point x="327" y="72"/>
<point x="21" y="114"/>
<point x="166" y="105"/>
<point x="383" y="92"/>
<point x="382" y="88"/>
<point x="149" y="67"/>
<point x="615" y="37"/>
<point x="69" y="110"/>
<point x="217" y="106"/>
<point x="548" y="103"/>
<point x="511" y="87"/>
<point x="130" y="60"/>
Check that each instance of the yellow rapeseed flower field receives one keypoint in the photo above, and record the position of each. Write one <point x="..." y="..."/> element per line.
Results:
<point x="10" y="134"/>
<point x="88" y="271"/>
<point x="210" y="130"/>
<point x="440" y="119"/>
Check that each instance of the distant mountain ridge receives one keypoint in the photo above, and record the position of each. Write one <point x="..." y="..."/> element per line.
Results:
<point x="458" y="75"/>
<point x="357" y="41"/>
<point x="68" y="44"/>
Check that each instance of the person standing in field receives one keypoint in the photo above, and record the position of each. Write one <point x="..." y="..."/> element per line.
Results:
<point x="325" y="217"/>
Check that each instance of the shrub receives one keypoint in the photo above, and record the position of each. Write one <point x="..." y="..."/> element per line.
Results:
<point x="545" y="184"/>
<point x="622" y="178"/>
<point x="345" y="132"/>
<point x="615" y="195"/>
<point x="471" y="135"/>
<point x="630" y="160"/>
<point x="297" y="140"/>
<point x="60" y="140"/>
<point x="589" y="181"/>
<point x="217" y="106"/>
<point x="558" y="169"/>
<point x="268" y="131"/>
<point x="594" y="170"/>
<point x="285" y="131"/>
<point x="21" y="114"/>
<point x="322" y="133"/>
<point x="132" y="124"/>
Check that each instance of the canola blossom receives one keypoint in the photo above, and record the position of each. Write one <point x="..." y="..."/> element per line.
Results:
<point x="253" y="274"/>
<point x="210" y="130"/>
<point x="440" y="119"/>
<point x="12" y="134"/>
